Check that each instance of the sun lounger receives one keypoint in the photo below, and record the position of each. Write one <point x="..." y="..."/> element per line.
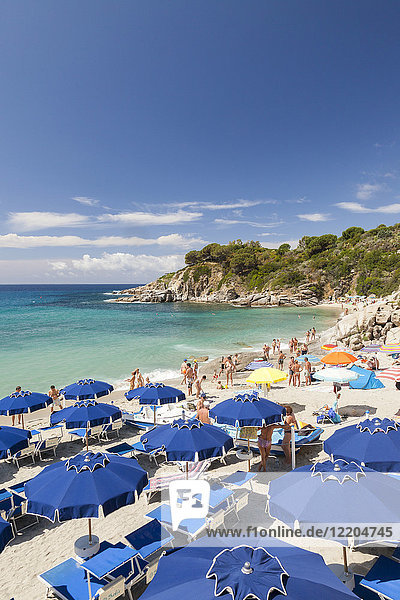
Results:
<point x="110" y="428"/>
<point x="361" y="591"/>
<point x="191" y="528"/>
<point x="138" y="449"/>
<point x="116" y="561"/>
<point x="69" y="581"/>
<point x="48" y="444"/>
<point x="239" y="479"/>
<point x="28" y="452"/>
<point x="150" y="541"/>
<point x="383" y="579"/>
<point x="157" y="484"/>
<point x="123" y="449"/>
<point x="95" y="431"/>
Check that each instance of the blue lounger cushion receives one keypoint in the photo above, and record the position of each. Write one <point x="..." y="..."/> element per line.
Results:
<point x="149" y="538"/>
<point x="69" y="581"/>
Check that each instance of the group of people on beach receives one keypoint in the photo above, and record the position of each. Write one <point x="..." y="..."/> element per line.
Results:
<point x="264" y="440"/>
<point x="136" y="380"/>
<point x="192" y="379"/>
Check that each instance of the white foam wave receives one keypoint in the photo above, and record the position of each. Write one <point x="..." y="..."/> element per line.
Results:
<point x="156" y="376"/>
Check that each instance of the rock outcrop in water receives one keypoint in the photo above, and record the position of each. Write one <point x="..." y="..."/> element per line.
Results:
<point x="207" y="285"/>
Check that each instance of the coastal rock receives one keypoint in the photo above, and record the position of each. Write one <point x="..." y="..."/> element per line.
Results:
<point x="393" y="336"/>
<point x="395" y="317"/>
<point x="383" y="315"/>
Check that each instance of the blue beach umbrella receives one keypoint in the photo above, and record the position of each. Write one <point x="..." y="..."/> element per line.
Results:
<point x="278" y="572"/>
<point x="258" y="364"/>
<point x="187" y="441"/>
<point x="85" y="414"/>
<point x="6" y="533"/>
<point x="374" y="443"/>
<point x="12" y="440"/>
<point x="84" y="389"/>
<point x="85" y="486"/>
<point x="19" y="403"/>
<point x="247" y="410"/>
<point x="155" y="394"/>
<point x="336" y="493"/>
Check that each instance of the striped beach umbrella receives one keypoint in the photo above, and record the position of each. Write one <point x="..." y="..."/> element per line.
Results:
<point x="371" y="348"/>
<point x="390" y="348"/>
<point x="392" y="373"/>
<point x="328" y="347"/>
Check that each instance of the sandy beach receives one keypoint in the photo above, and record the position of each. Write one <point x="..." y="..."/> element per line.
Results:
<point x="45" y="544"/>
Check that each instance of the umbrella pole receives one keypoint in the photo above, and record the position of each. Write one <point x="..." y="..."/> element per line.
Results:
<point x="346" y="567"/>
<point x="248" y="450"/>
<point x="293" y="446"/>
<point x="90" y="530"/>
<point x="23" y="424"/>
<point x="186" y="470"/>
<point x="87" y="439"/>
<point x="154" y="411"/>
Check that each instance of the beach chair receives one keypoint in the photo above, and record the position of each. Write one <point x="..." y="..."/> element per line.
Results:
<point x="157" y="484"/>
<point x="50" y="437"/>
<point x="326" y="414"/>
<point x="383" y="579"/>
<point x="139" y="449"/>
<point x="190" y="528"/>
<point x="123" y="449"/>
<point x="95" y="431"/>
<point x="69" y="581"/>
<point x="28" y="452"/>
<point x="114" y="427"/>
<point x="150" y="541"/>
<point x="361" y="591"/>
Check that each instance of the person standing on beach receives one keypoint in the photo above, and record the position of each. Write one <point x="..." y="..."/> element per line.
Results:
<point x="278" y="345"/>
<point x="290" y="420"/>
<point x="307" y="336"/>
<point x="203" y="413"/>
<point x="132" y="379"/>
<point x="235" y="362"/>
<point x="264" y="442"/>
<point x="197" y="385"/>
<point x="183" y="371"/>
<point x="273" y="346"/>
<point x="189" y="379"/>
<point x="266" y="350"/>
<point x="281" y="359"/>
<point x="307" y="371"/>
<point x="229" y="371"/>
<point x="313" y="333"/>
<point x="222" y="366"/>
<point x="54" y="394"/>
<point x="291" y="371"/>
<point x="17" y="391"/>
<point x="297" y="370"/>
<point x="139" y="379"/>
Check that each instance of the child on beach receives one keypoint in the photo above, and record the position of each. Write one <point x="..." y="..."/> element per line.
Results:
<point x="215" y="377"/>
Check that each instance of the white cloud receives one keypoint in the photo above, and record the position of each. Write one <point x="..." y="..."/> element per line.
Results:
<point x="314" y="217"/>
<point x="143" y="218"/>
<point x="251" y="223"/>
<point x="272" y="245"/>
<point x="236" y="204"/>
<point x="85" y="200"/>
<point x="121" y="263"/>
<point x="31" y="221"/>
<point x="12" y="240"/>
<point x="357" y="207"/>
<point x="365" y="191"/>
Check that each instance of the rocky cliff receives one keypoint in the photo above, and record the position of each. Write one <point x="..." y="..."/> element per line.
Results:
<point x="207" y="283"/>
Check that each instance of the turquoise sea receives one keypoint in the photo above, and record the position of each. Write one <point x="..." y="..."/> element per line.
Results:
<point x="60" y="333"/>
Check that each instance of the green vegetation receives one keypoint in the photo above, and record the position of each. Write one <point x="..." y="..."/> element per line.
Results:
<point x="358" y="261"/>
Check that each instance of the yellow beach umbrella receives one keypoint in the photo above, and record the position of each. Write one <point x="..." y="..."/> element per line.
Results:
<point x="266" y="376"/>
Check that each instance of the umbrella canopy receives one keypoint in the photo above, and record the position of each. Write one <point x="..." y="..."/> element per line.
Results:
<point x="328" y="346"/>
<point x="311" y="358"/>
<point x="334" y="492"/>
<point x="23" y="402"/>
<point x="371" y="348"/>
<point x="392" y="373"/>
<point x="187" y="441"/>
<point x="373" y="442"/>
<point x="258" y="364"/>
<point x="336" y="375"/>
<point x="156" y="394"/>
<point x="390" y="348"/>
<point x="6" y="533"/>
<point x="84" y="485"/>
<point x="85" y="389"/>
<point x="267" y="375"/>
<point x="12" y="440"/>
<point x="247" y="410"/>
<point x="279" y="572"/>
<point x="338" y="358"/>
<point x="86" y="413"/>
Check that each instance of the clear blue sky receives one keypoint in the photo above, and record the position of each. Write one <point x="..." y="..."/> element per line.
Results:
<point x="132" y="131"/>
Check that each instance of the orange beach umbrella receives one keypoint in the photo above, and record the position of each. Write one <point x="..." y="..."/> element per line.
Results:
<point x="339" y="358"/>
